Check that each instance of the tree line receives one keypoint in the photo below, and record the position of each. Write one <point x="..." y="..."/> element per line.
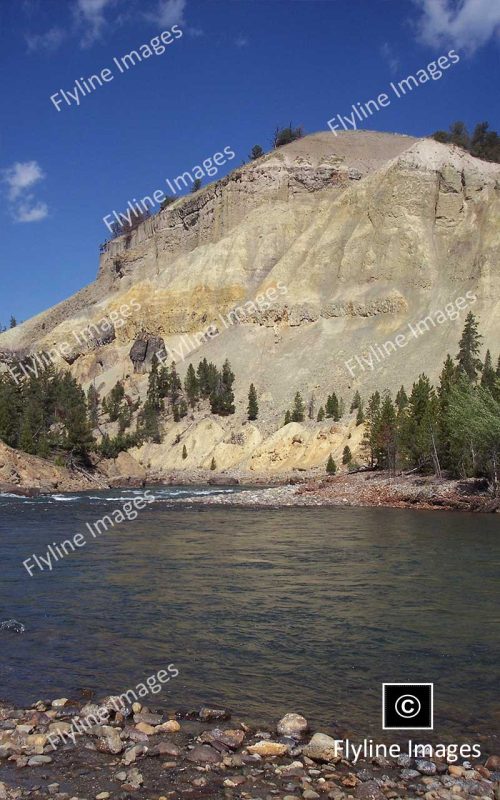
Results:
<point x="49" y="415"/>
<point x="483" y="143"/>
<point x="453" y="427"/>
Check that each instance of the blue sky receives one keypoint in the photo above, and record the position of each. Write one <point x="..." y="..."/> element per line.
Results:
<point x="241" y="68"/>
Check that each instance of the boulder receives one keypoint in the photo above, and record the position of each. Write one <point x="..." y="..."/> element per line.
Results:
<point x="109" y="740"/>
<point x="223" y="739"/>
<point x="203" y="754"/>
<point x="321" y="748"/>
<point x="294" y="725"/>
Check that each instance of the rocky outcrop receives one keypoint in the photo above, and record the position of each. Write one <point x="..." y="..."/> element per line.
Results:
<point x="143" y="350"/>
<point x="21" y="473"/>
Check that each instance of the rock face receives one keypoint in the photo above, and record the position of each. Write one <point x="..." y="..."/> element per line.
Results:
<point x="143" y="350"/>
<point x="358" y="235"/>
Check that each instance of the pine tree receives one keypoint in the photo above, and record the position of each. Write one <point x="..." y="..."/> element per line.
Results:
<point x="321" y="414"/>
<point x="372" y="417"/>
<point x="346" y="455"/>
<point x="298" y="409"/>
<point x="447" y="380"/>
<point x="148" y="422"/>
<point x="332" y="407"/>
<point x="459" y="135"/>
<point x="213" y="465"/>
<point x="253" y="407"/>
<point x="257" y="152"/>
<point x="468" y="355"/>
<point x="356" y="401"/>
<point x="419" y="436"/>
<point x="175" y="385"/>
<point x="222" y="396"/>
<point x="288" y="417"/>
<point x="475" y="432"/>
<point x="401" y="399"/>
<point x="163" y="381"/>
<point x="124" y="418"/>
<point x="203" y="379"/>
<point x="331" y="466"/>
<point x="79" y="439"/>
<point x="114" y="401"/>
<point x="10" y="411"/>
<point x="385" y="436"/>
<point x="184" y="451"/>
<point x="360" y="416"/>
<point x="191" y="386"/>
<point x="180" y="410"/>
<point x="93" y="405"/>
<point x="488" y="377"/>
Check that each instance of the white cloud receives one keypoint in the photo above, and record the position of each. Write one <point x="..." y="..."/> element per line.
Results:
<point x="19" y="178"/>
<point x="387" y="53"/>
<point x="168" y="13"/>
<point x="90" y="18"/>
<point x="31" y="212"/>
<point x="466" y="24"/>
<point x="49" y="41"/>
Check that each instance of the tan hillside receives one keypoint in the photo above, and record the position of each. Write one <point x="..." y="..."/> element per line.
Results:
<point x="367" y="232"/>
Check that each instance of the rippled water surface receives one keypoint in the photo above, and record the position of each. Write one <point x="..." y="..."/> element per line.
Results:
<point x="266" y="611"/>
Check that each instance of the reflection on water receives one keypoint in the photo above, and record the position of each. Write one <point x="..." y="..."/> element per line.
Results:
<point x="266" y="611"/>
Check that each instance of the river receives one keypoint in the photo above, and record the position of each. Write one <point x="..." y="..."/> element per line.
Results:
<point x="263" y="610"/>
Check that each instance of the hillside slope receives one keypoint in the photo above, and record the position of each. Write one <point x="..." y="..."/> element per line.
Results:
<point x="364" y="232"/>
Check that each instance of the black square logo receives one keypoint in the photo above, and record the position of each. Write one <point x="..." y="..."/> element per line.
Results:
<point x="407" y="706"/>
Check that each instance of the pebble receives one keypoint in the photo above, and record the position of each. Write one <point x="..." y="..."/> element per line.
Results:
<point x="131" y="754"/>
<point x="425" y="767"/>
<point x="408" y="774"/>
<point x="265" y="748"/>
<point x="207" y="714"/>
<point x="60" y="703"/>
<point x="170" y="726"/>
<point x="203" y="754"/>
<point x="143" y="727"/>
<point x="36" y="761"/>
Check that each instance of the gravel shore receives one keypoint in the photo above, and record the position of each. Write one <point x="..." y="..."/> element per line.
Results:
<point x="368" y="489"/>
<point x="142" y="752"/>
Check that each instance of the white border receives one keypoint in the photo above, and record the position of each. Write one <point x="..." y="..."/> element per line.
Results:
<point x="410" y="728"/>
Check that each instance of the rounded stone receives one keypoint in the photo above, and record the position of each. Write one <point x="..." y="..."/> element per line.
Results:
<point x="294" y="725"/>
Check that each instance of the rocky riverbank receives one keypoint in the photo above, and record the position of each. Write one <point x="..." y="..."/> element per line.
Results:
<point x="27" y="475"/>
<point x="148" y="753"/>
<point x="370" y="488"/>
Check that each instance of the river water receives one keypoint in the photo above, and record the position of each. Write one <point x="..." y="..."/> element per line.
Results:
<point x="264" y="611"/>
